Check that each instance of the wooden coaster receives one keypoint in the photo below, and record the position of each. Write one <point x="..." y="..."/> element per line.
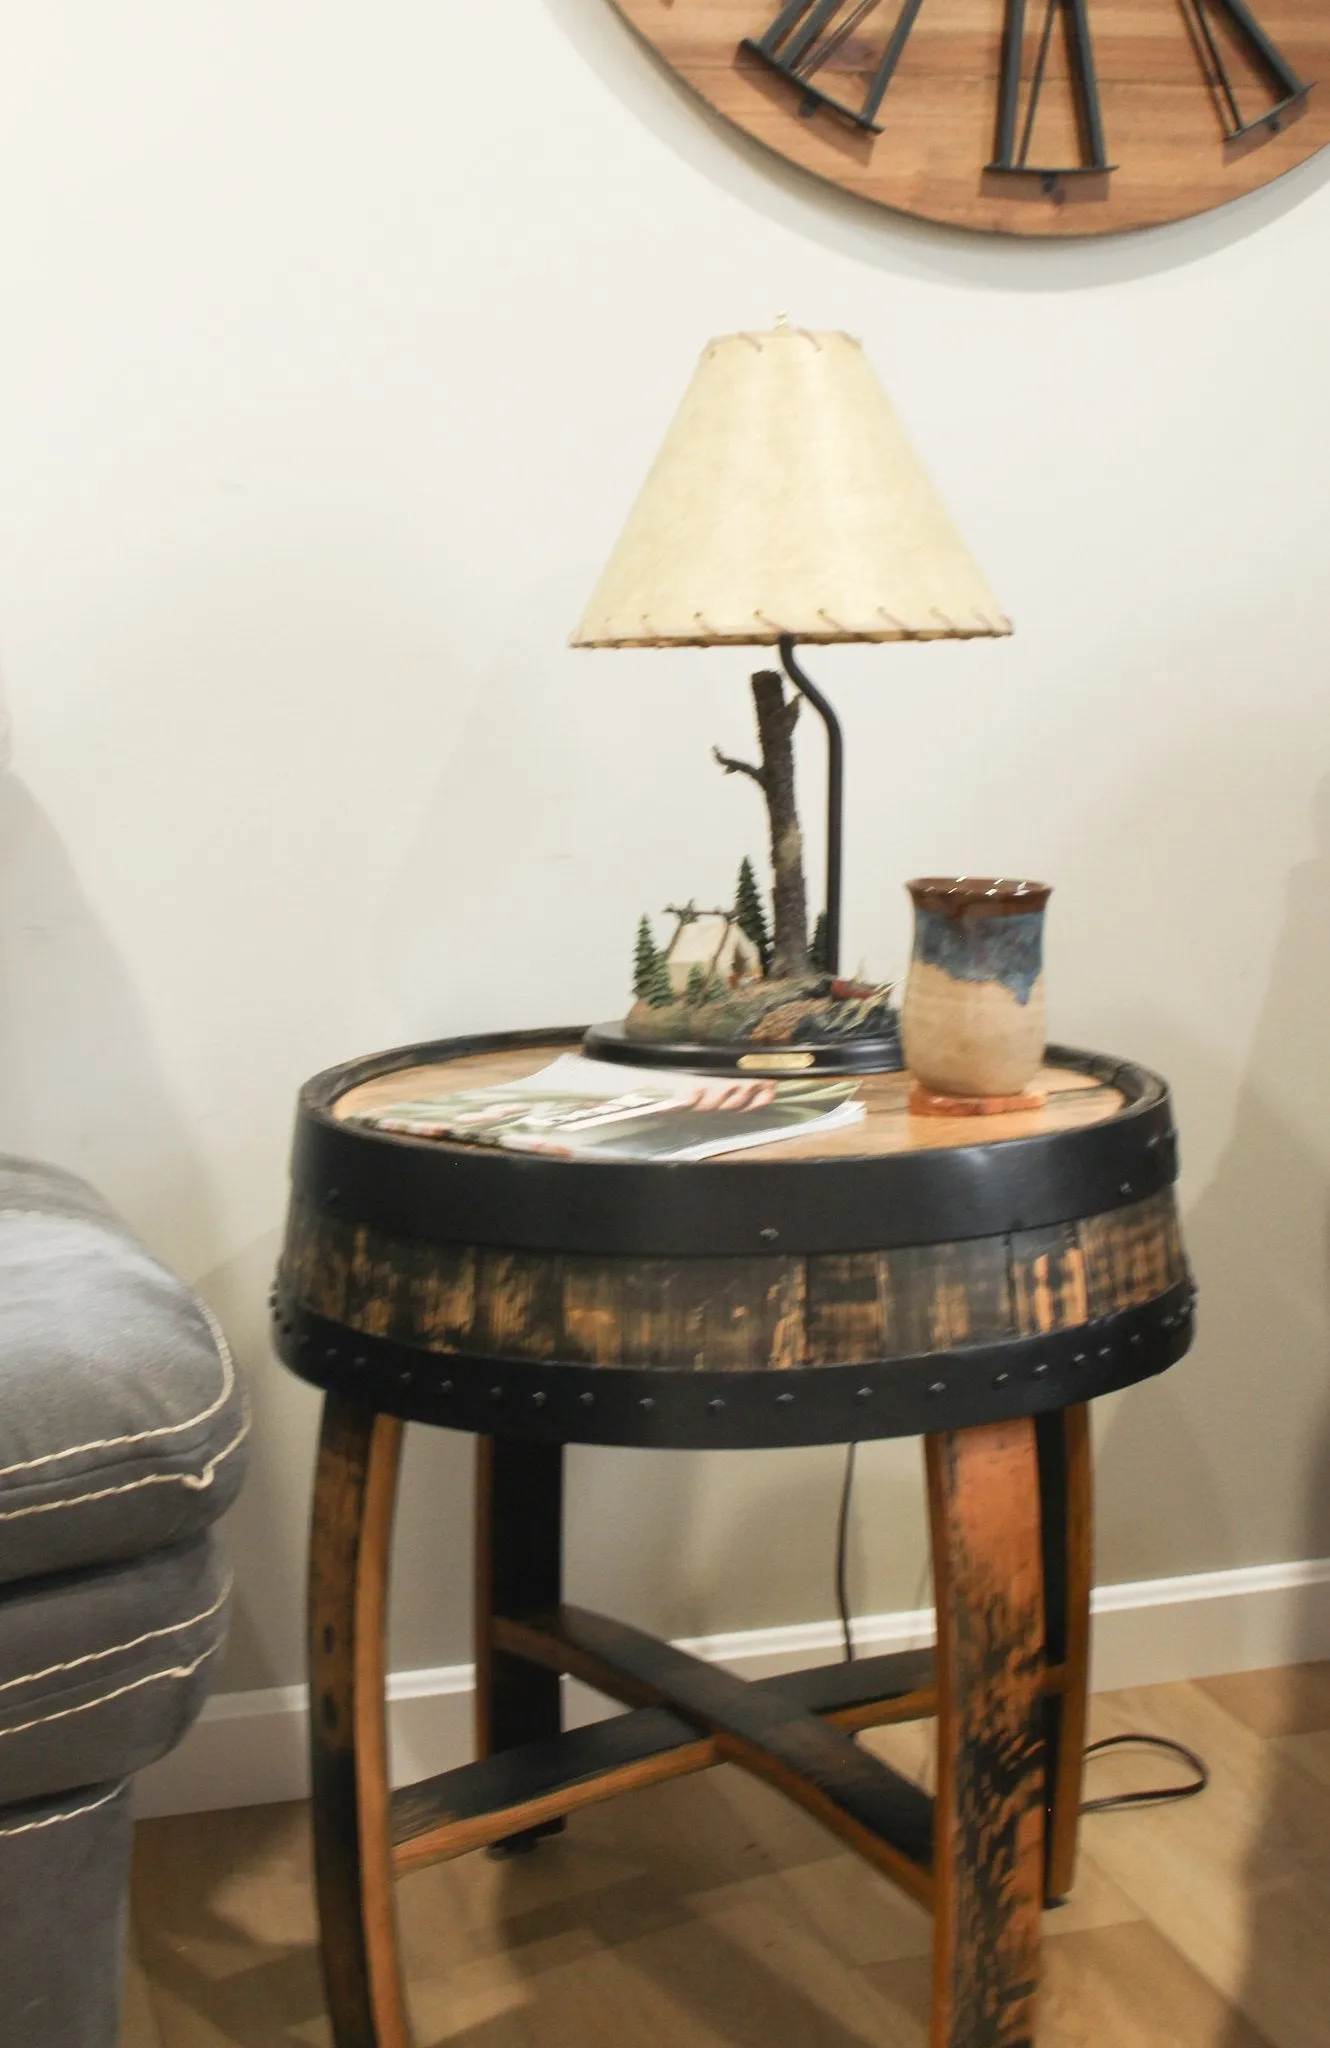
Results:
<point x="926" y="1102"/>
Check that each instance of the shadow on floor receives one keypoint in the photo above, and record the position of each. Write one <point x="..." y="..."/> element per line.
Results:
<point x="706" y="1912"/>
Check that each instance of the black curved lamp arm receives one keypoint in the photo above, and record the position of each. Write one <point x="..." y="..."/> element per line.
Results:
<point x="835" y="792"/>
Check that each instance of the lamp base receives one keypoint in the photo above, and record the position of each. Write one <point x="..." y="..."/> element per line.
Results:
<point x="880" y="1054"/>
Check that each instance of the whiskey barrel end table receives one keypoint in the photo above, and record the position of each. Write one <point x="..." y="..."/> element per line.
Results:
<point x="975" y="1282"/>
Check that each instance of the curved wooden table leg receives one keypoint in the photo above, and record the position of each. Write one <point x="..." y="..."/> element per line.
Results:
<point x="1066" y="1495"/>
<point x="355" y="1489"/>
<point x="988" y="1857"/>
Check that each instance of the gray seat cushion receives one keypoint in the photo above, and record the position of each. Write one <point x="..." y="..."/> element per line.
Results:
<point x="122" y="1421"/>
<point x="102" y="1671"/>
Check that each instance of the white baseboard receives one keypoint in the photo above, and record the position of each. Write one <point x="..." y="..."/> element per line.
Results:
<point x="248" y="1748"/>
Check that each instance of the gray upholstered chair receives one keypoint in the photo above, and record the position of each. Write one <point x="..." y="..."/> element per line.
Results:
<point x="121" y="1440"/>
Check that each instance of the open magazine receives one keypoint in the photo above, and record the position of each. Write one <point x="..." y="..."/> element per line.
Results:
<point x="586" y="1109"/>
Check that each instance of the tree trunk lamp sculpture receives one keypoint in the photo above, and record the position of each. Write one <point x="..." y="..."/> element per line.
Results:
<point x="785" y="506"/>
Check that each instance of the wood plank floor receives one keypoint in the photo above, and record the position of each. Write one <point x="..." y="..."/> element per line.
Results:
<point x="711" y="1914"/>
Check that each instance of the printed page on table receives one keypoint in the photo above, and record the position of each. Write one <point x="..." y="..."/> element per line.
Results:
<point x="572" y="1111"/>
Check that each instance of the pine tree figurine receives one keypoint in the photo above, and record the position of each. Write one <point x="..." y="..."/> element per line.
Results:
<point x="659" y="991"/>
<point x="817" y="951"/>
<point x="749" y="914"/>
<point x="697" y="983"/>
<point x="644" y="959"/>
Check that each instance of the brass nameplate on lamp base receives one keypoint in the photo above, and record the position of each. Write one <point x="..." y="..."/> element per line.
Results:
<point x="878" y="1054"/>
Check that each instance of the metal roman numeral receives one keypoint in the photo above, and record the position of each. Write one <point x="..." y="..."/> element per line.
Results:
<point x="1286" y="88"/>
<point x="806" y="34"/>
<point x="1012" y="153"/>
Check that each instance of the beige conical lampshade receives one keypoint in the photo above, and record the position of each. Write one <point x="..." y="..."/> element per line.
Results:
<point x="786" y="499"/>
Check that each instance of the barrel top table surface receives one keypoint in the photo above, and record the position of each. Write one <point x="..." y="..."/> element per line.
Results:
<point x="1074" y="1099"/>
<point x="893" y="1277"/>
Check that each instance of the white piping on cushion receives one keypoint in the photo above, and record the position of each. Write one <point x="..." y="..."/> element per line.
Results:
<point x="114" y="1649"/>
<point x="104" y="1699"/>
<point x="195" y="1482"/>
<point x="143" y="1436"/>
<point x="55" y="1820"/>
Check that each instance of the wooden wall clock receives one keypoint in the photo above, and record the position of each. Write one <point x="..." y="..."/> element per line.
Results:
<point x="1024" y="117"/>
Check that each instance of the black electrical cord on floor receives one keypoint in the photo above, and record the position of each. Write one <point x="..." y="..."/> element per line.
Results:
<point x="842" y="1554"/>
<point x="1165" y="1794"/>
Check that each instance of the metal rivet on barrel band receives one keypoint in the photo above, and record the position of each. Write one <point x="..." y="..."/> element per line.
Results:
<point x="937" y="1387"/>
<point x="586" y="1399"/>
<point x="538" y="1399"/>
<point x="1040" y="1371"/>
<point x="331" y="1354"/>
<point x="784" y="1400"/>
<point x="360" y="1361"/>
<point x="1125" y="1188"/>
<point x="714" y="1407"/>
<point x="647" y="1401"/>
<point x="496" y="1393"/>
<point x="1106" y="1351"/>
<point x="769" y="1234"/>
<point x="863" y="1394"/>
<point x="405" y="1378"/>
<point x="1079" y="1358"/>
<point x="446" y="1387"/>
<point x="1001" y="1379"/>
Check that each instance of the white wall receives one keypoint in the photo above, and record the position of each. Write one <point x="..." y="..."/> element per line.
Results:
<point x="336" y="340"/>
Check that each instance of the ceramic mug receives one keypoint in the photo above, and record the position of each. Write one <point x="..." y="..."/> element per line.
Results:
<point x="973" y="1017"/>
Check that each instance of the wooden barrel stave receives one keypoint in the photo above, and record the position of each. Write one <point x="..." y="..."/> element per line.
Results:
<point x="735" y="1314"/>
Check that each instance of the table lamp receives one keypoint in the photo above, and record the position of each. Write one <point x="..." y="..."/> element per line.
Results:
<point x="786" y="506"/>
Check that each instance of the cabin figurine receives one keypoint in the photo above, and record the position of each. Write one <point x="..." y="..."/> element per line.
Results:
<point x="709" y="950"/>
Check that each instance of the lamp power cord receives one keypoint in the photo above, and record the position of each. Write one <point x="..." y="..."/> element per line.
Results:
<point x="1162" y="1795"/>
